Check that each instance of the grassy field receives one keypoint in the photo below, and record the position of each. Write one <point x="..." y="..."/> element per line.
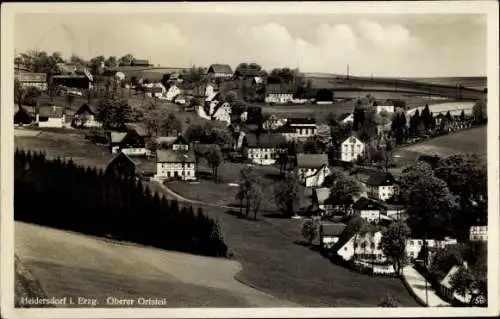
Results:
<point x="72" y="265"/>
<point x="468" y="141"/>
<point x="65" y="143"/>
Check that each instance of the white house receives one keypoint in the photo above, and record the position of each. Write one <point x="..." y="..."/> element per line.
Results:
<point x="172" y="92"/>
<point x="28" y="79"/>
<point x="329" y="234"/>
<point x="85" y="117"/>
<point x="263" y="149"/>
<point x="369" y="210"/>
<point x="312" y="169"/>
<point x="365" y="246"/>
<point x="154" y="90"/>
<point x="478" y="233"/>
<point x="50" y="116"/>
<point x="210" y="92"/>
<point x="180" y="144"/>
<point x="200" y="111"/>
<point x="222" y="113"/>
<point x="414" y="245"/>
<point x="298" y="128"/>
<point x="378" y="184"/>
<point x="273" y="123"/>
<point x="172" y="164"/>
<point x="351" y="149"/>
<point x="279" y="93"/>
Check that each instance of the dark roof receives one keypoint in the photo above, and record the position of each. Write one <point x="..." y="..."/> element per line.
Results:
<point x="374" y="177"/>
<point x="140" y="62"/>
<point x="248" y="72"/>
<point x="168" y="156"/>
<point x="153" y="89"/>
<point x="368" y="204"/>
<point x="85" y="108"/>
<point x="280" y="89"/>
<point x="299" y="121"/>
<point x="109" y="73"/>
<point x="138" y="128"/>
<point x="265" y="140"/>
<point x="51" y="111"/>
<point x="221" y="68"/>
<point x="311" y="160"/>
<point x="332" y="229"/>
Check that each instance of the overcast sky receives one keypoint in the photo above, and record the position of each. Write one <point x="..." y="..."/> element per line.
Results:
<point x="382" y="45"/>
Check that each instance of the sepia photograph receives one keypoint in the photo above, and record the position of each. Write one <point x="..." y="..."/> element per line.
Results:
<point x="238" y="157"/>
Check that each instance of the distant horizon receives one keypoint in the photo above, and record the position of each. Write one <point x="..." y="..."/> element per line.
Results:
<point x="386" y="45"/>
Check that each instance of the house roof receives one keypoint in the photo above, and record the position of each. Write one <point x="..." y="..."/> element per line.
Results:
<point x="153" y="89"/>
<point x="373" y="177"/>
<point x="368" y="204"/>
<point x="139" y="129"/>
<point x="168" y="156"/>
<point x="221" y="68"/>
<point x="343" y="116"/>
<point x="181" y="140"/>
<point x="265" y="140"/>
<point x="447" y="279"/>
<point x="117" y="137"/>
<point x="166" y="140"/>
<point x="280" y="89"/>
<point x="323" y="193"/>
<point x="30" y="77"/>
<point x="311" y="160"/>
<point x="258" y="79"/>
<point x="140" y="62"/>
<point x="85" y="108"/>
<point x="297" y="121"/>
<point x="332" y="229"/>
<point x="51" y="111"/>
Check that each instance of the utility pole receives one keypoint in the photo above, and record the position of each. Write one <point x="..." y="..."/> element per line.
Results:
<point x="347" y="72"/>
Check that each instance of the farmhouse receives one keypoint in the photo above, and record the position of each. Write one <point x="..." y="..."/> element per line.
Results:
<point x="50" y="116"/>
<point x="73" y="81"/>
<point x="154" y="90"/>
<point x="180" y="144"/>
<point x="175" y="165"/>
<point x="28" y="79"/>
<point x="263" y="149"/>
<point x="329" y="234"/>
<point x="365" y="246"/>
<point x="131" y="143"/>
<point x="312" y="169"/>
<point x="85" y="117"/>
<point x="447" y="289"/>
<point x="279" y="93"/>
<point x="220" y="71"/>
<point x="379" y="185"/>
<point x="478" y="233"/>
<point x="22" y="117"/>
<point x="351" y="149"/>
<point x="246" y="73"/>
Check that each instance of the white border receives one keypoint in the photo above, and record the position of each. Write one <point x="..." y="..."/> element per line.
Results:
<point x="9" y="10"/>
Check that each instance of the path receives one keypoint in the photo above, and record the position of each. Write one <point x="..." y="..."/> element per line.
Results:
<point x="417" y="284"/>
<point x="68" y="264"/>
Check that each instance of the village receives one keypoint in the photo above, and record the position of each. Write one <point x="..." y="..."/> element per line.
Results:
<point x="263" y="144"/>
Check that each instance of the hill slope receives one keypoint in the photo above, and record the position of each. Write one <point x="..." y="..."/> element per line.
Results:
<point x="68" y="264"/>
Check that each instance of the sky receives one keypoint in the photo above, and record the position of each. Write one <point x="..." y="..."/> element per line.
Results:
<point x="402" y="45"/>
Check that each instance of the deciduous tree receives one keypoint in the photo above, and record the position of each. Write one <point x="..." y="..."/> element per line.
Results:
<point x="394" y="244"/>
<point x="287" y="194"/>
<point x="310" y="230"/>
<point x="214" y="159"/>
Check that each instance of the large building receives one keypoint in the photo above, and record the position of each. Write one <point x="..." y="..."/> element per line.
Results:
<point x="352" y="149"/>
<point x="279" y="93"/>
<point x="29" y="79"/>
<point x="264" y="149"/>
<point x="172" y="164"/>
<point x="312" y="169"/>
<point x="478" y="233"/>
<point x="220" y="71"/>
<point x="379" y="185"/>
<point x="50" y="116"/>
<point x="298" y="129"/>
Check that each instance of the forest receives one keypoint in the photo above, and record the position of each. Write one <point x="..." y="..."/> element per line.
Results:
<point x="60" y="194"/>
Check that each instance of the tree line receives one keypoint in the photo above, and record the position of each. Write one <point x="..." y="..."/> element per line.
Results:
<point x="60" y="194"/>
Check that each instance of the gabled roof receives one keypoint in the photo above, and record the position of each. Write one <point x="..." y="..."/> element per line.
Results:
<point x="280" y="89"/>
<point x="332" y="229"/>
<point x="258" y="79"/>
<point x="153" y="89"/>
<point x="352" y="139"/>
<point x="139" y="62"/>
<point x="166" y="140"/>
<point x="343" y="116"/>
<point x="168" y="156"/>
<point x="368" y="204"/>
<point x="323" y="193"/>
<point x="51" y="111"/>
<point x="221" y="68"/>
<point x="85" y="108"/>
<point x="139" y="129"/>
<point x="311" y="160"/>
<point x="265" y="140"/>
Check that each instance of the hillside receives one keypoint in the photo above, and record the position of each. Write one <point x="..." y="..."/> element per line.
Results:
<point x="69" y="264"/>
